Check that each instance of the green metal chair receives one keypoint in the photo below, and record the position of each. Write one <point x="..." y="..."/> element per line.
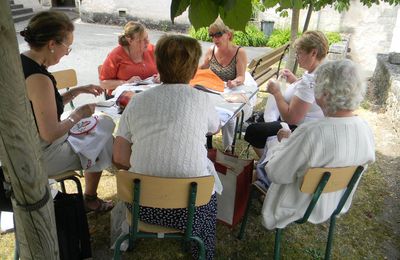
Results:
<point x="317" y="181"/>
<point x="159" y="192"/>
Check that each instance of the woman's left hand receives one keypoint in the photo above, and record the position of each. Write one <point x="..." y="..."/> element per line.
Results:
<point x="91" y="89"/>
<point x="232" y="83"/>
<point x="283" y="133"/>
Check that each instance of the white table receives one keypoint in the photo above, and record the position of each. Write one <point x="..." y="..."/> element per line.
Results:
<point x="225" y="109"/>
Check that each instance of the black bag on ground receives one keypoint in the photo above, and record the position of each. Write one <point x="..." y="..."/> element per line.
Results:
<point x="5" y="200"/>
<point x="72" y="227"/>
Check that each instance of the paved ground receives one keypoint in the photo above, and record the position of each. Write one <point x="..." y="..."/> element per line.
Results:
<point x="91" y="45"/>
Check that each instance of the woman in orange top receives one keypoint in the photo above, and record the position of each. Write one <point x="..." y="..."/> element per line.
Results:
<point x="131" y="61"/>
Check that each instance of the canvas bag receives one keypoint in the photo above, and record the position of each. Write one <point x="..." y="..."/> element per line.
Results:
<point x="236" y="176"/>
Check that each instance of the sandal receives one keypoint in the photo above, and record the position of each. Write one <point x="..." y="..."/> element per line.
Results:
<point x="101" y="205"/>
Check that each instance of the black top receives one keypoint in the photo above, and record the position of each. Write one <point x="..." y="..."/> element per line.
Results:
<point x="30" y="67"/>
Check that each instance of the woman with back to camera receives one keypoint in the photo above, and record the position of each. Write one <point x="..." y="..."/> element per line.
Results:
<point x="297" y="104"/>
<point x="163" y="130"/>
<point x="340" y="139"/>
<point x="50" y="35"/>
<point x="229" y="62"/>
<point x="131" y="61"/>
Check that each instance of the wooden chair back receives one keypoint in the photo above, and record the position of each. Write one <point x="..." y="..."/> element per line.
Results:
<point x="338" y="180"/>
<point x="262" y="67"/>
<point x="65" y="78"/>
<point x="161" y="192"/>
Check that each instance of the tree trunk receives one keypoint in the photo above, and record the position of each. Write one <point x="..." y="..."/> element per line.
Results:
<point x="305" y="28"/>
<point x="20" y="154"/>
<point x="293" y="35"/>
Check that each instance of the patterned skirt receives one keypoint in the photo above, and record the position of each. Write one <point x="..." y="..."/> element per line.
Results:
<point x="204" y="223"/>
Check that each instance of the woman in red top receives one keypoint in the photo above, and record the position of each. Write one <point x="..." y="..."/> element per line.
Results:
<point x="131" y="61"/>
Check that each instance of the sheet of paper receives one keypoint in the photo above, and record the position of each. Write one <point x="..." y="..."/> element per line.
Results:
<point x="6" y="221"/>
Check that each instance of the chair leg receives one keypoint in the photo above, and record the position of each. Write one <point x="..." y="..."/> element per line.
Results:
<point x="330" y="238"/>
<point x="117" y="249"/>
<point x="246" y="214"/>
<point x="202" y="249"/>
<point x="277" y="248"/>
<point x="63" y="186"/>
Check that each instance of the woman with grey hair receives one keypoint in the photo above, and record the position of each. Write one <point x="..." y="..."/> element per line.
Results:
<point x="340" y="139"/>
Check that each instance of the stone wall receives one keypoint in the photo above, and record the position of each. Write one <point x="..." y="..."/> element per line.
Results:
<point x="154" y="13"/>
<point x="373" y="30"/>
<point x="385" y="90"/>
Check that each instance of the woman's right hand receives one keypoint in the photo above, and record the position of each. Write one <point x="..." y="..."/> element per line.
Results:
<point x="134" y="79"/>
<point x="290" y="77"/>
<point x="273" y="87"/>
<point x="83" y="111"/>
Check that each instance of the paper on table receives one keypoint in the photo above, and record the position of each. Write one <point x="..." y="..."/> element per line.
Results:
<point x="130" y="87"/>
<point x="147" y="81"/>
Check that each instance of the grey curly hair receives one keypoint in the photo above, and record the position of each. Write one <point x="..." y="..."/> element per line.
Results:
<point x="342" y="84"/>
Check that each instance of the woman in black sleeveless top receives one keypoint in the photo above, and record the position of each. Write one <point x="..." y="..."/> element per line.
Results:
<point x="49" y="35"/>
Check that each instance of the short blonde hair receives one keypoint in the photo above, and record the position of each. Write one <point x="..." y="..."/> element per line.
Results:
<point x="313" y="40"/>
<point x="131" y="29"/>
<point x="219" y="26"/>
<point x="177" y="58"/>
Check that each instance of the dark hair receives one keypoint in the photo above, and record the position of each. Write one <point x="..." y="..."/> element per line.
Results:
<point x="177" y="58"/>
<point x="130" y="29"/>
<point x="46" y="26"/>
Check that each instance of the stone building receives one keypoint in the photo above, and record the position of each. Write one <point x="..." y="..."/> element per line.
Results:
<point x="372" y="30"/>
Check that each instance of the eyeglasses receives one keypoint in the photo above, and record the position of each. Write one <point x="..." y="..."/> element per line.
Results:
<point x="216" y="35"/>
<point x="69" y="49"/>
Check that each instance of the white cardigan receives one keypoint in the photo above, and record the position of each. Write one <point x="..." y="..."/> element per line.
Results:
<point x="167" y="127"/>
<point x="329" y="142"/>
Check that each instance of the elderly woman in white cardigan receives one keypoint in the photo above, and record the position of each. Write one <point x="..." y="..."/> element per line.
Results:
<point x="340" y="139"/>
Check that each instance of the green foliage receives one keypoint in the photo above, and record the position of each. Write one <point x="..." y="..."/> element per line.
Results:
<point x="234" y="13"/>
<point x="200" y="34"/>
<point x="333" y="37"/>
<point x="278" y="38"/>
<point x="251" y="37"/>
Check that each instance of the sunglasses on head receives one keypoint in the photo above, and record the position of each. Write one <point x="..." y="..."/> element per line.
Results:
<point x="216" y="35"/>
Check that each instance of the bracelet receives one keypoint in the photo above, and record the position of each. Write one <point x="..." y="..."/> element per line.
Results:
<point x="72" y="95"/>
<point x="71" y="119"/>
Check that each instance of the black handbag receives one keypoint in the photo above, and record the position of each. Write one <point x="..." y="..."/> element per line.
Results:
<point x="5" y="200"/>
<point x="72" y="227"/>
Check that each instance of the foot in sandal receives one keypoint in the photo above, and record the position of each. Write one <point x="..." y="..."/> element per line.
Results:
<point x="94" y="203"/>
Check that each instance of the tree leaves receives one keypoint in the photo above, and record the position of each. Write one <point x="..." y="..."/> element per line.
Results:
<point x="238" y="15"/>
<point x="178" y="7"/>
<point x="202" y="13"/>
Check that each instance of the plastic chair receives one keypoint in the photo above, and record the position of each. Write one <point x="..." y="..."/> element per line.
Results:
<point x="159" y="192"/>
<point x="317" y="181"/>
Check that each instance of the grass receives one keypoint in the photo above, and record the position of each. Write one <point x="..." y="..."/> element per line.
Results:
<point x="359" y="234"/>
